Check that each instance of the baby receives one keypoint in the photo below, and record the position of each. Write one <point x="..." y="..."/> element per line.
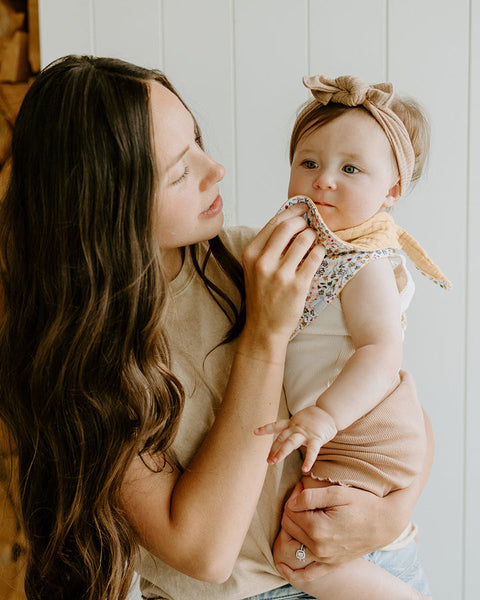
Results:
<point x="354" y="151"/>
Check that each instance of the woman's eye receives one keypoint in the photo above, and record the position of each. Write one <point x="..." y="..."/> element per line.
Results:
<point x="309" y="164"/>
<point x="350" y="169"/>
<point x="186" y="171"/>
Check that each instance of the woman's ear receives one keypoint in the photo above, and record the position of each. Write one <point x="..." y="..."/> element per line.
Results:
<point x="393" y="195"/>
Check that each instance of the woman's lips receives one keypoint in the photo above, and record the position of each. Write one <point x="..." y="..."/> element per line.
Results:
<point x="214" y="208"/>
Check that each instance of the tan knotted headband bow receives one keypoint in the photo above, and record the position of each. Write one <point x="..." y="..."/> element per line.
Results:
<point x="353" y="91"/>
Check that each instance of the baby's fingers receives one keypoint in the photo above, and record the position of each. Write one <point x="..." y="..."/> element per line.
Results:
<point x="276" y="427"/>
<point x="311" y="453"/>
<point x="285" y="443"/>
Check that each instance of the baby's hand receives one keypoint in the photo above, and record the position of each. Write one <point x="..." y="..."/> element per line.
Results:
<point x="311" y="427"/>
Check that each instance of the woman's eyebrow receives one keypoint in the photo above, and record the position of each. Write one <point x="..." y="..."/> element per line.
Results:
<point x="179" y="157"/>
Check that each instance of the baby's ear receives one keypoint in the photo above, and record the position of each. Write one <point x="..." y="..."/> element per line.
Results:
<point x="393" y="195"/>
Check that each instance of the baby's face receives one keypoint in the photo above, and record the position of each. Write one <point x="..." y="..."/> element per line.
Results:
<point x="347" y="168"/>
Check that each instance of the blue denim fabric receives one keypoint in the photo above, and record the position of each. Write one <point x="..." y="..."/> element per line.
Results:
<point x="404" y="564"/>
<point x="286" y="592"/>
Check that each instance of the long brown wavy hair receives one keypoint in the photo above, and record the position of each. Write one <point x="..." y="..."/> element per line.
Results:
<point x="85" y="381"/>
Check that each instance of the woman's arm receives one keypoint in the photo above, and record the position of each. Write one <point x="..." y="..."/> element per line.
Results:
<point x="196" y="521"/>
<point x="339" y="524"/>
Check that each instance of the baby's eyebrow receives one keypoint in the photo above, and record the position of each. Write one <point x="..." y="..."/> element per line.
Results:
<point x="306" y="151"/>
<point x="351" y="156"/>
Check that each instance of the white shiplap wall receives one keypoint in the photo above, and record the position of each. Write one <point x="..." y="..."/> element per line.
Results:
<point x="238" y="64"/>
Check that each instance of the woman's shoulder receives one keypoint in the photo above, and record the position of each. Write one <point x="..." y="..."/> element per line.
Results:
<point x="236" y="238"/>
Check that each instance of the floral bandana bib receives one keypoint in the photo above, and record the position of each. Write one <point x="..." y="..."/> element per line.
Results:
<point x="379" y="237"/>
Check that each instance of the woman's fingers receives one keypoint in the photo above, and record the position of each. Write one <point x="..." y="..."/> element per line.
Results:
<point x="317" y="499"/>
<point x="265" y="233"/>
<point x="299" y="247"/>
<point x="312" y="261"/>
<point x="313" y="571"/>
<point x="279" y="265"/>
<point x="268" y="254"/>
<point x="286" y="234"/>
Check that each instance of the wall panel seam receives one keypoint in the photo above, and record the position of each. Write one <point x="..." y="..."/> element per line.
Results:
<point x="308" y="46"/>
<point x="387" y="40"/>
<point x="93" y="29"/>
<point x="234" y="142"/>
<point x="161" y="29"/>
<point x="467" y="306"/>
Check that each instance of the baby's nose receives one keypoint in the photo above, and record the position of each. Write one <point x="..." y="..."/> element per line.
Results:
<point x="325" y="180"/>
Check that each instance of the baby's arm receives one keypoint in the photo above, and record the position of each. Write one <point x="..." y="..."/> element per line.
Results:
<point x="371" y="307"/>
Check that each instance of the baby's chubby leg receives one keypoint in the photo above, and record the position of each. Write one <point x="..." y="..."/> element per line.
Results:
<point x="360" y="580"/>
<point x="357" y="580"/>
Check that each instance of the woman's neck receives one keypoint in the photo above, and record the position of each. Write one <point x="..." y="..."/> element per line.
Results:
<point x="172" y="262"/>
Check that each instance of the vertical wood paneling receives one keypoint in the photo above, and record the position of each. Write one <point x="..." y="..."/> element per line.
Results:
<point x="270" y="59"/>
<point x="347" y="37"/>
<point x="65" y="28"/>
<point x="129" y="30"/>
<point x="472" y="471"/>
<point x="198" y="47"/>
<point x="433" y="67"/>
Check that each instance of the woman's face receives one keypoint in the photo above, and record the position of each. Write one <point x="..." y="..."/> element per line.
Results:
<point x="189" y="206"/>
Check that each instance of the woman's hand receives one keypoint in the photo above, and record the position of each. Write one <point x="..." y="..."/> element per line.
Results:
<point x="279" y="265"/>
<point x="338" y="524"/>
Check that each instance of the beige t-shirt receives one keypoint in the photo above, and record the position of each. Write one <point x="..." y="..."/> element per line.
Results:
<point x="195" y="325"/>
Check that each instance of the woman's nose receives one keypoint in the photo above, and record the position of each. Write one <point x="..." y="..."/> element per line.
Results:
<point x="324" y="180"/>
<point x="214" y="173"/>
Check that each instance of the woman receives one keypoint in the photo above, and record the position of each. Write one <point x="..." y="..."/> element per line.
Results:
<point x="129" y="390"/>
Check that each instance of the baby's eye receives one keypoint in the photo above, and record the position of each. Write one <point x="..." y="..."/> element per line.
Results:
<point x="309" y="164"/>
<point x="350" y="169"/>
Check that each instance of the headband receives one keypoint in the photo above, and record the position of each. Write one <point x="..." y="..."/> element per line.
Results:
<point x="352" y="91"/>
